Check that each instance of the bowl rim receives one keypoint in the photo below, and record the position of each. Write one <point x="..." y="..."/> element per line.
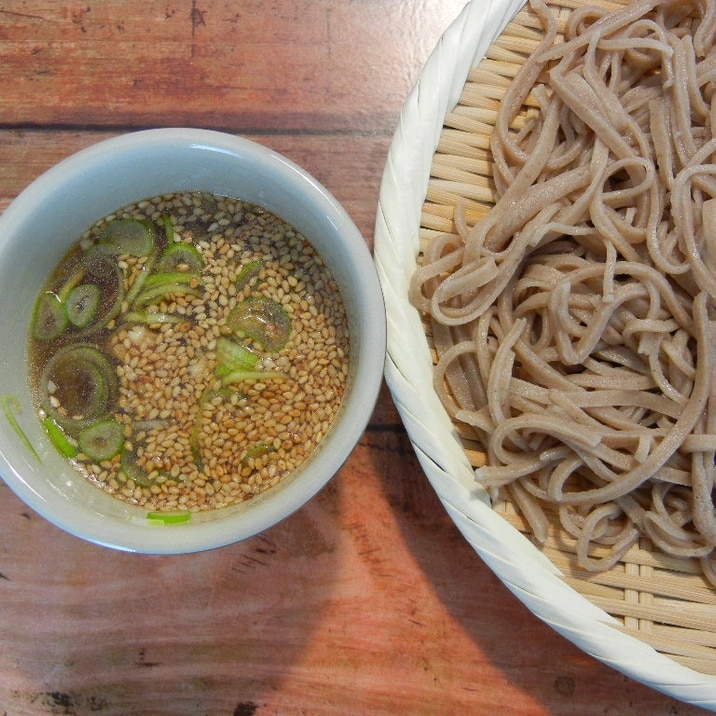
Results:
<point x="136" y="535"/>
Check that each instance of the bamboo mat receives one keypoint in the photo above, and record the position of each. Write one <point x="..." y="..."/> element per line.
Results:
<point x="661" y="600"/>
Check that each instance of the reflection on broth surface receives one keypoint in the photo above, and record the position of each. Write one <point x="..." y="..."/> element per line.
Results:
<point x="189" y="352"/>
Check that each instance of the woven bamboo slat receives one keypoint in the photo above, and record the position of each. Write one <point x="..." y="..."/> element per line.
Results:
<point x="661" y="600"/>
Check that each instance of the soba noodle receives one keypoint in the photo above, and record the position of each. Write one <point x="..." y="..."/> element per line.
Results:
<point x="574" y="322"/>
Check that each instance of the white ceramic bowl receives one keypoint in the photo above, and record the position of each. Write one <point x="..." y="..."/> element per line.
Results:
<point x="48" y="216"/>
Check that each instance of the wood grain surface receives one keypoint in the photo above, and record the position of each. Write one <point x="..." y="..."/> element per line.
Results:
<point x="367" y="601"/>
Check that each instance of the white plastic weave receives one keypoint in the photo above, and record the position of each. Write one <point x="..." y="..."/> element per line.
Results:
<point x="520" y="566"/>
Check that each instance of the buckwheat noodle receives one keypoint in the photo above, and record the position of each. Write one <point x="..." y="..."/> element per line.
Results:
<point x="574" y="322"/>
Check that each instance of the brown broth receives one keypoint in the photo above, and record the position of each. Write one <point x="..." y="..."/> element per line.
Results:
<point x="196" y="435"/>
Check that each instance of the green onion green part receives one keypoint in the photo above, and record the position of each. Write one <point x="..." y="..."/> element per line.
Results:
<point x="263" y="320"/>
<point x="128" y="236"/>
<point x="82" y="303"/>
<point x="231" y="356"/>
<point x="237" y="376"/>
<point x="144" y="274"/>
<point x="102" y="440"/>
<point x="98" y="307"/>
<point x="71" y="282"/>
<point x="235" y="363"/>
<point x="50" y="317"/>
<point x="247" y="273"/>
<point x="10" y="407"/>
<point x="155" y="294"/>
<point x="59" y="438"/>
<point x="164" y="278"/>
<point x="83" y="382"/>
<point x="184" y="258"/>
<point x="168" y="227"/>
<point x="133" y="471"/>
<point x="151" y="317"/>
<point x="169" y="518"/>
<point x="256" y="451"/>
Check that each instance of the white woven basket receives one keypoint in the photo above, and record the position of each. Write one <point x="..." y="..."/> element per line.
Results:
<point x="513" y="558"/>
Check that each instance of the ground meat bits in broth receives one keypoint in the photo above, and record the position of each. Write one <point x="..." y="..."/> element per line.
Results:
<point x="198" y="436"/>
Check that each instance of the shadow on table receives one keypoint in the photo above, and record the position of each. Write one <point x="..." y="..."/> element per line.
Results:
<point x="90" y="630"/>
<point x="529" y="654"/>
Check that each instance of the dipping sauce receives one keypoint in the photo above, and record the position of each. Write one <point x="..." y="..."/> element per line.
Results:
<point x="189" y="352"/>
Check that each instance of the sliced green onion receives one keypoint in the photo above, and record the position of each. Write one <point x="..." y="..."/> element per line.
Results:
<point x="237" y="376"/>
<point x="236" y="363"/>
<point x="10" y="406"/>
<point x="181" y="257"/>
<point x="59" y="438"/>
<point x="84" y="391"/>
<point x="167" y="278"/>
<point x="109" y="301"/>
<point x="82" y="304"/>
<point x="176" y="517"/>
<point x="168" y="227"/>
<point x="102" y="440"/>
<point x="50" y="317"/>
<point x="258" y="451"/>
<point x="155" y="294"/>
<point x="71" y="282"/>
<point x="196" y="456"/>
<point x="151" y="317"/>
<point x="101" y="260"/>
<point x="128" y="236"/>
<point x="248" y="272"/>
<point x="133" y="471"/>
<point x="85" y="386"/>
<point x="143" y="275"/>
<point x="231" y="356"/>
<point x="263" y="320"/>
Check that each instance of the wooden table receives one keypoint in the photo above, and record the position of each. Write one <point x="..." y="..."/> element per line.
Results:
<point x="367" y="601"/>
